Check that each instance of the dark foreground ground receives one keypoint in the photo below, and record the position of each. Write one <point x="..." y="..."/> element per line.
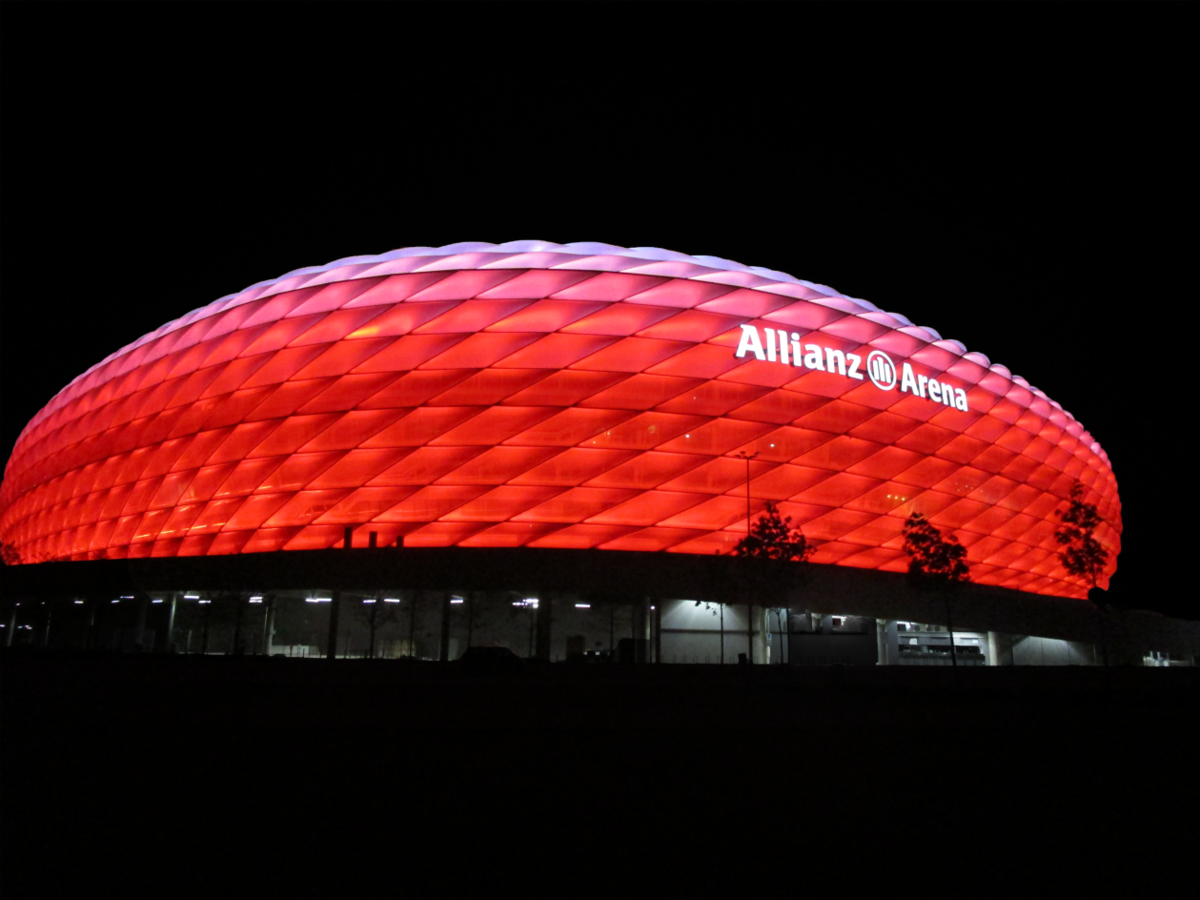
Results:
<point x="309" y="776"/>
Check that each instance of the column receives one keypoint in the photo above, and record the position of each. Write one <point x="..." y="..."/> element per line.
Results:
<point x="335" y="605"/>
<point x="545" y="615"/>
<point x="444" y="647"/>
<point x="268" y="623"/>
<point x="139" y="630"/>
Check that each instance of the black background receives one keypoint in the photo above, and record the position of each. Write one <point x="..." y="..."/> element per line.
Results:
<point x="1025" y="190"/>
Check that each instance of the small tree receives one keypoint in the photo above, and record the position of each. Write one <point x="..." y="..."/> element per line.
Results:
<point x="1082" y="555"/>
<point x="375" y="614"/>
<point x="935" y="562"/>
<point x="771" y="538"/>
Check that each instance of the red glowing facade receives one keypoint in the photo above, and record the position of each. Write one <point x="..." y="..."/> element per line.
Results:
<point x="545" y="395"/>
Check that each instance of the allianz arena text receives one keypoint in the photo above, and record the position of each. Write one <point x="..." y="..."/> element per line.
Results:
<point x="532" y="394"/>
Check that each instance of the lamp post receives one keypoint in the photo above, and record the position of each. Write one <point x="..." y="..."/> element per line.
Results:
<point x="742" y="454"/>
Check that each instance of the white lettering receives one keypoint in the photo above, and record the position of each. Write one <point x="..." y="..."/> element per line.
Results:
<point x="831" y="355"/>
<point x="855" y="361"/>
<point x="786" y="348"/>
<point x="812" y="357"/>
<point x="750" y="343"/>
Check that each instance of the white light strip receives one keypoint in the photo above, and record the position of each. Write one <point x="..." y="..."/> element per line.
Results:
<point x="390" y="600"/>
<point x="583" y="606"/>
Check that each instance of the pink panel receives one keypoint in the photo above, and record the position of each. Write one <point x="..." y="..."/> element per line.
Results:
<point x="441" y="534"/>
<point x="489" y="386"/>
<point x="534" y="284"/>
<point x="565" y="388"/>
<point x="352" y="429"/>
<point x="642" y="392"/>
<point x="647" y="508"/>
<point x="408" y="352"/>
<point x="574" y="466"/>
<point x="647" y="470"/>
<point x="715" y="437"/>
<point x="619" y="320"/>
<point x="714" y="476"/>
<point x="426" y="464"/>
<point x="647" y="430"/>
<point x="502" y="503"/>
<point x="680" y="293"/>
<point x="575" y="505"/>
<point x="298" y="471"/>
<point x="609" y="287"/>
<point x="357" y="467"/>
<point x="402" y="319"/>
<point x="498" y="464"/>
<point x="555" y="351"/>
<point x="569" y="427"/>
<point x="431" y="503"/>
<point x="396" y="289"/>
<point x="336" y="325"/>
<point x="421" y="425"/>
<point x="415" y="388"/>
<point x="462" y="286"/>
<point x="494" y="425"/>
<point x="652" y="539"/>
<point x="579" y="537"/>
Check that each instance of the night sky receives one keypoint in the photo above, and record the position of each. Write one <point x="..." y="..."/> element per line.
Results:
<point x="1038" y="215"/>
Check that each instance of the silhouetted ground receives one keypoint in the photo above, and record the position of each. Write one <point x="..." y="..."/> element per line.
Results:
<point x="222" y="772"/>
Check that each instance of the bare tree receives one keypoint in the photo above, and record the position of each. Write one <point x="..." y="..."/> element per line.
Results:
<point x="375" y="614"/>
<point x="1082" y="555"/>
<point x="935" y="562"/>
<point x="771" y="539"/>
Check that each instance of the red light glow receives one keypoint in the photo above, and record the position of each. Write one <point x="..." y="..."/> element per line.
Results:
<point x="532" y="394"/>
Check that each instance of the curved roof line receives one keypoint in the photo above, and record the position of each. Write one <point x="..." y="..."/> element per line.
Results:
<point x="541" y="254"/>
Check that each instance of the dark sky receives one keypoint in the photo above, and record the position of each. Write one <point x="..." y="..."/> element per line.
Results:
<point x="1028" y="200"/>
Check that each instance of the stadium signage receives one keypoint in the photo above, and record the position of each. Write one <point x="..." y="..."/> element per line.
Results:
<point x="777" y="345"/>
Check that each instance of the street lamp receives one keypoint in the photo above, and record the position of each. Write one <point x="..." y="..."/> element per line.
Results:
<point x="742" y="454"/>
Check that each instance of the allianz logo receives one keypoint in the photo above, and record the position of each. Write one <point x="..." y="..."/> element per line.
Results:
<point x="776" y="345"/>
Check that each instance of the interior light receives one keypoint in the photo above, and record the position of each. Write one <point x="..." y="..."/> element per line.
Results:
<point x="252" y="600"/>
<point x="368" y="601"/>
<point x="255" y="597"/>
<point x="127" y="596"/>
<point x="456" y="600"/>
<point x="191" y="596"/>
<point x="156" y="601"/>
<point x="318" y="600"/>
<point x="205" y="601"/>
<point x="391" y="600"/>
<point x="583" y="606"/>
<point x="79" y="603"/>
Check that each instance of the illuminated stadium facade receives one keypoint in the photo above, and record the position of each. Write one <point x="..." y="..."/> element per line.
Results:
<point x="578" y="397"/>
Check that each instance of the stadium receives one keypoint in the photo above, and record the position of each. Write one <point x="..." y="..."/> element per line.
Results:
<point x="557" y="448"/>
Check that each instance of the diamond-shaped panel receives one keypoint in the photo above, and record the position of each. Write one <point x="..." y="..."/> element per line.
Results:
<point x="536" y="394"/>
